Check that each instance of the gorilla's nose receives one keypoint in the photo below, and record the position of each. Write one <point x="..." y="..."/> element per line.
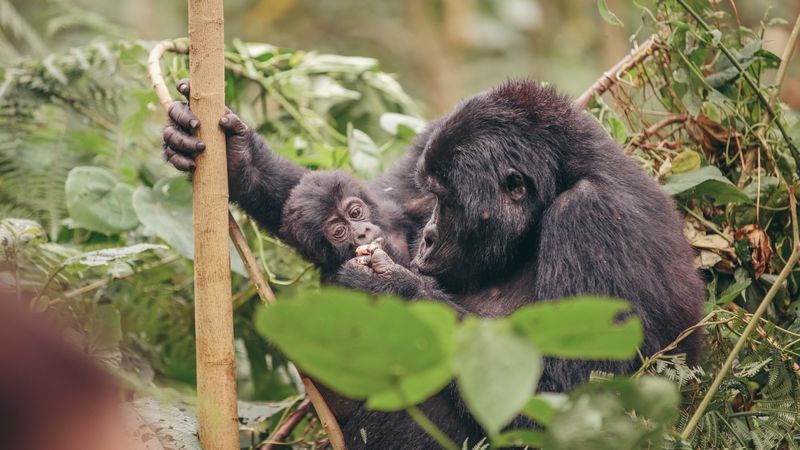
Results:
<point x="430" y="235"/>
<point x="365" y="236"/>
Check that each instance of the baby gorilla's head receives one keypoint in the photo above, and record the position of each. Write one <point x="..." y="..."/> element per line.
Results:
<point x="329" y="214"/>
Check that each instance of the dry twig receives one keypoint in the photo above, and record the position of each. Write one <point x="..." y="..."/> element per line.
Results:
<point x="610" y="78"/>
<point x="286" y="427"/>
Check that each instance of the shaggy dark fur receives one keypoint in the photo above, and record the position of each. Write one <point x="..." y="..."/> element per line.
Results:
<point x="526" y="199"/>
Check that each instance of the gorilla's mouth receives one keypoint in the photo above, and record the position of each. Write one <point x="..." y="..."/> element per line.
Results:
<point x="418" y="264"/>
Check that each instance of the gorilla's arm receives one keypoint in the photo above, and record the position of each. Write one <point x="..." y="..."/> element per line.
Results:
<point x="258" y="179"/>
<point x="591" y="242"/>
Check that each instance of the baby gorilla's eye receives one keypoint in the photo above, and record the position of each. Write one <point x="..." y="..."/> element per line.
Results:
<point x="339" y="231"/>
<point x="356" y="212"/>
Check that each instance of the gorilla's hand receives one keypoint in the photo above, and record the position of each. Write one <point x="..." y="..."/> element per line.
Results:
<point x="377" y="272"/>
<point x="181" y="148"/>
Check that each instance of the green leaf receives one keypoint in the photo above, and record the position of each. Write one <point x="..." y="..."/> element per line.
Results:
<point x="365" y="156"/>
<point x="519" y="439"/>
<point x="686" y="161"/>
<point x="733" y="291"/>
<point x="497" y="371"/>
<point x="413" y="389"/>
<point x="617" y="129"/>
<point x="607" y="15"/>
<point x="594" y="331"/>
<point x="108" y="256"/>
<point x="706" y="181"/>
<point x="324" y="63"/>
<point x="542" y="407"/>
<point x="401" y="125"/>
<point x="364" y="348"/>
<point x="166" y="211"/>
<point x="598" y="415"/>
<point x="97" y="202"/>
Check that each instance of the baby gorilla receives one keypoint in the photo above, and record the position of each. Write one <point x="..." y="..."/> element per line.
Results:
<point x="329" y="215"/>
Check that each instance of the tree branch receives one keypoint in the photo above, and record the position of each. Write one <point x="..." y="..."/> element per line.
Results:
<point x="610" y="78"/>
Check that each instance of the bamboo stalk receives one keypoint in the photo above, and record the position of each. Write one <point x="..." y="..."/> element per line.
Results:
<point x="263" y="289"/>
<point x="216" y="375"/>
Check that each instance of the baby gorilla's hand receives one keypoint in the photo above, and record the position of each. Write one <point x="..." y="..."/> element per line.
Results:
<point x="379" y="261"/>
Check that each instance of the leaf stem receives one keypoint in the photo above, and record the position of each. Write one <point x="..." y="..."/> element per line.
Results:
<point x="429" y="427"/>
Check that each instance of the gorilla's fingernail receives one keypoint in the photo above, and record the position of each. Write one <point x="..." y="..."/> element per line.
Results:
<point x="194" y="123"/>
<point x="223" y="121"/>
<point x="201" y="146"/>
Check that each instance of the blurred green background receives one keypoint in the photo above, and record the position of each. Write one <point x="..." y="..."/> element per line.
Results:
<point x="442" y="50"/>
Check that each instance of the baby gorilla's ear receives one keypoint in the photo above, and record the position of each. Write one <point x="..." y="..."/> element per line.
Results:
<point x="515" y="185"/>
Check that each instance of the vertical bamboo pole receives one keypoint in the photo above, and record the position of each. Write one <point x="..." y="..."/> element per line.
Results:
<point x="216" y="382"/>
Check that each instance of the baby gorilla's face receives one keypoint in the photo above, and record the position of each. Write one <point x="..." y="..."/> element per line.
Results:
<point x="349" y="224"/>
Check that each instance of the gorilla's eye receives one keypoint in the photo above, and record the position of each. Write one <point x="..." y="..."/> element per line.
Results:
<point x="356" y="212"/>
<point x="339" y="231"/>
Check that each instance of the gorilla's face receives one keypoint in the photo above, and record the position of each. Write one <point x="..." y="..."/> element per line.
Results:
<point x="491" y="166"/>
<point x="473" y="227"/>
<point x="329" y="214"/>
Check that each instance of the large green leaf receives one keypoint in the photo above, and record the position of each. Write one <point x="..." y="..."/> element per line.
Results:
<point x="97" y="202"/>
<point x="166" y="210"/>
<point x="416" y="387"/>
<point x="705" y="181"/>
<point x="362" y="347"/>
<point x="497" y="371"/>
<point x="581" y="328"/>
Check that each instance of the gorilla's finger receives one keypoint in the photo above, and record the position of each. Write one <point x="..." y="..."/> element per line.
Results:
<point x="183" y="87"/>
<point x="180" y="113"/>
<point x="380" y="261"/>
<point x="363" y="260"/>
<point x="179" y="141"/>
<point x="232" y="124"/>
<point x="179" y="161"/>
<point x="367" y="249"/>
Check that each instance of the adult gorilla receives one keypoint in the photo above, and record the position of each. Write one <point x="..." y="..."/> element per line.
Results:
<point x="535" y="202"/>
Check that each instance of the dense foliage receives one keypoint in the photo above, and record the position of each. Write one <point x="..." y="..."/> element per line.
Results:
<point x="96" y="229"/>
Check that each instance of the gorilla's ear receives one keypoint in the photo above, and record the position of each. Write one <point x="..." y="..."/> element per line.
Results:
<point x="515" y="185"/>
